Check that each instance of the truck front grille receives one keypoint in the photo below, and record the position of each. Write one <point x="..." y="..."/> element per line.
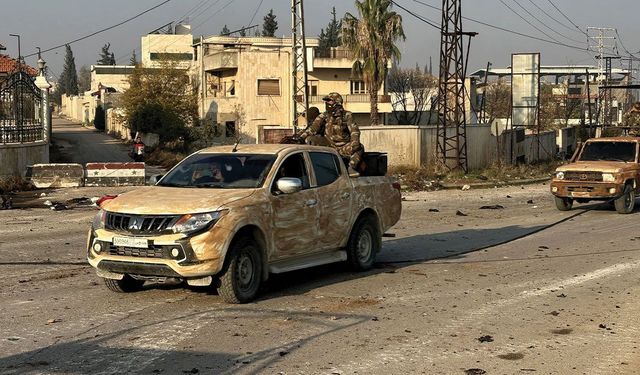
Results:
<point x="153" y="252"/>
<point x="140" y="224"/>
<point x="583" y="176"/>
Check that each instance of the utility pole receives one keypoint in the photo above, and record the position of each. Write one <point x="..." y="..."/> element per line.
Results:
<point x="452" y="127"/>
<point x="299" y="64"/>
<point x="483" y="103"/>
<point x="601" y="39"/>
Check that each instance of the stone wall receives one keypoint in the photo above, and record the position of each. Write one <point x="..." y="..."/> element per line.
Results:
<point x="14" y="158"/>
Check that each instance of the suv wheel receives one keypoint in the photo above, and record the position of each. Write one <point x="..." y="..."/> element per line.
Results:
<point x="243" y="274"/>
<point x="364" y="244"/>
<point x="626" y="203"/>
<point x="563" y="204"/>
<point x="126" y="285"/>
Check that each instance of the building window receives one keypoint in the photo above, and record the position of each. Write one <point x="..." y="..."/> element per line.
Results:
<point x="170" y="56"/>
<point x="269" y="87"/>
<point x="230" y="129"/>
<point x="312" y="88"/>
<point x="358" y="87"/>
<point x="231" y="87"/>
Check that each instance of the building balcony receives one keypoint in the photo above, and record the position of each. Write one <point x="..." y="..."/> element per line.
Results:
<point x="223" y="60"/>
<point x="356" y="103"/>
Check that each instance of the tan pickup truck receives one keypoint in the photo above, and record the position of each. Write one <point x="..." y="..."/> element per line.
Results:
<point x="229" y="217"/>
<point x="604" y="169"/>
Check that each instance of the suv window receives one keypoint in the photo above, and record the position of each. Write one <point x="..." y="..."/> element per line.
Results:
<point x="326" y="167"/>
<point x="609" y="151"/>
<point x="293" y="166"/>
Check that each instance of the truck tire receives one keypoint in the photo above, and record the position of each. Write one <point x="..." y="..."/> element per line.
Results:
<point x="241" y="279"/>
<point x="563" y="204"/>
<point x="127" y="285"/>
<point x="364" y="244"/>
<point x="626" y="202"/>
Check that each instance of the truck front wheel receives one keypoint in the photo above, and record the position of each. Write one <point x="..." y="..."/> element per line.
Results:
<point x="364" y="244"/>
<point x="563" y="204"/>
<point x="126" y="285"/>
<point x="626" y="203"/>
<point x="241" y="280"/>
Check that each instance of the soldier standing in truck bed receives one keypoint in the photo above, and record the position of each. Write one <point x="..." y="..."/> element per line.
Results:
<point x="340" y="131"/>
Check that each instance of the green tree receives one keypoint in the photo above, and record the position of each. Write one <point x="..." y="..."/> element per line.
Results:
<point x="331" y="37"/>
<point x="134" y="59"/>
<point x="372" y="39"/>
<point x="106" y="57"/>
<point x="84" y="79"/>
<point x="160" y="100"/>
<point x="242" y="31"/>
<point x="99" y="119"/>
<point x="270" y="25"/>
<point x="69" y="77"/>
<point x="225" y="30"/>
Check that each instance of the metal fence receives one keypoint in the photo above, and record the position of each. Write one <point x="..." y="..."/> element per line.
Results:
<point x="20" y="109"/>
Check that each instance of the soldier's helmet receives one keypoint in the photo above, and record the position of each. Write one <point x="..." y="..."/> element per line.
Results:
<point x="337" y="98"/>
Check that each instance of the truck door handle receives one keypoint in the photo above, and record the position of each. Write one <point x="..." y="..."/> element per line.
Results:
<point x="311" y="202"/>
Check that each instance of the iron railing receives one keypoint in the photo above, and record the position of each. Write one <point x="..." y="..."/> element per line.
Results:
<point x="20" y="109"/>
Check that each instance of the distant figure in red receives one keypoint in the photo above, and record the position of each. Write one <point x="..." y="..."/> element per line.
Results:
<point x="137" y="153"/>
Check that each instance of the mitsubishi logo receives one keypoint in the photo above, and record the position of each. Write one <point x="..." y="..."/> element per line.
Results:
<point x="583" y="177"/>
<point x="134" y="224"/>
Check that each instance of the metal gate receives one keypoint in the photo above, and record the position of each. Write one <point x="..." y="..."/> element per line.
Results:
<point x="20" y="109"/>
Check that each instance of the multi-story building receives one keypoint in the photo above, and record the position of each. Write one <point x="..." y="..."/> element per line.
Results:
<point x="247" y="83"/>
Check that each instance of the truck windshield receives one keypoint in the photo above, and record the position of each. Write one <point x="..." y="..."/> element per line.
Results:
<point x="220" y="171"/>
<point x="609" y="151"/>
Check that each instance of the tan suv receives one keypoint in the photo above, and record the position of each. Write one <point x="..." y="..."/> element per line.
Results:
<point x="230" y="216"/>
<point x="603" y="169"/>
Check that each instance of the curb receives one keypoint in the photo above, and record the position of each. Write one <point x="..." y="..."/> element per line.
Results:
<point x="484" y="185"/>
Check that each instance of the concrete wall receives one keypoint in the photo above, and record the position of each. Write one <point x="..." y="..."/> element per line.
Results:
<point x="14" y="158"/>
<point x="80" y="108"/>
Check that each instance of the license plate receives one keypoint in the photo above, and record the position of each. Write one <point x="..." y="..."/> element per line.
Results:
<point x="580" y="194"/>
<point x="142" y="243"/>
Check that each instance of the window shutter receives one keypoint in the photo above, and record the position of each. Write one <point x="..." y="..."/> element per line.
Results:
<point x="269" y="87"/>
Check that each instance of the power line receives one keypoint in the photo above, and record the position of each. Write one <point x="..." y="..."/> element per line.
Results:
<point x="542" y="23"/>
<point x="215" y="13"/>
<point x="568" y="19"/>
<point x="527" y="21"/>
<point x="193" y="10"/>
<point x="553" y="18"/>
<point x="102" y="30"/>
<point x="203" y="11"/>
<point x="256" y="12"/>
<point x="421" y="18"/>
<point x="510" y="31"/>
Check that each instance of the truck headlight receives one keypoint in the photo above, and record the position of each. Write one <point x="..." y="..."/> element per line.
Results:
<point x="560" y="175"/>
<point x="195" y="222"/>
<point x="608" y="177"/>
<point x="99" y="219"/>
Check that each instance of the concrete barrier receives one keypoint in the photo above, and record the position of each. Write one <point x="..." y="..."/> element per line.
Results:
<point x="56" y="175"/>
<point x="115" y="174"/>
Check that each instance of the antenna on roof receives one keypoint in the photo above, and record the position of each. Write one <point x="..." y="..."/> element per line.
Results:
<point x="235" y="147"/>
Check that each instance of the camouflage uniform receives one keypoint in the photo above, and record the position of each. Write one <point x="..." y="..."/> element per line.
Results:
<point x="340" y="131"/>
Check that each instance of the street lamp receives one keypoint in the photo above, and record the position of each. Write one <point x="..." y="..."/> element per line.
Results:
<point x="19" y="53"/>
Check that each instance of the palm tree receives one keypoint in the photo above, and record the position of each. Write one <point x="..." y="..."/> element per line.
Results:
<point x="371" y="38"/>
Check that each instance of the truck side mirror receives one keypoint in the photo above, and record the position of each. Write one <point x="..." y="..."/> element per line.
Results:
<point x="289" y="185"/>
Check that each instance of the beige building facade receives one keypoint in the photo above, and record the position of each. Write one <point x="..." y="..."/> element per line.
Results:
<point x="247" y="84"/>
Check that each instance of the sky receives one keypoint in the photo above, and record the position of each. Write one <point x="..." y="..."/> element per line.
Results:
<point x="47" y="23"/>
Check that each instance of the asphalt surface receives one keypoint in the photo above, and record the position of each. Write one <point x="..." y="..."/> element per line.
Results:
<point x="556" y="297"/>
<point x="86" y="145"/>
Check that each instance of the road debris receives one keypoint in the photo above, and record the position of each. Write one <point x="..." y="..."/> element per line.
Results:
<point x="466" y="187"/>
<point x="493" y="207"/>
<point x="460" y="213"/>
<point x="7" y="203"/>
<point x="52" y="321"/>
<point x="474" y="371"/>
<point x="485" y="338"/>
<point x="59" y="207"/>
<point x="530" y="201"/>
<point x="434" y="210"/>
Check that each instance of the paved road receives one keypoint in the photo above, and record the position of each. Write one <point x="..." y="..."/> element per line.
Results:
<point x="558" y="301"/>
<point x="84" y="145"/>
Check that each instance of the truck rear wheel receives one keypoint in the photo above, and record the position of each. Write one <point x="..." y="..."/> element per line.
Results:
<point x="241" y="280"/>
<point x="626" y="203"/>
<point x="563" y="204"/>
<point x="364" y="244"/>
<point x="126" y="285"/>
